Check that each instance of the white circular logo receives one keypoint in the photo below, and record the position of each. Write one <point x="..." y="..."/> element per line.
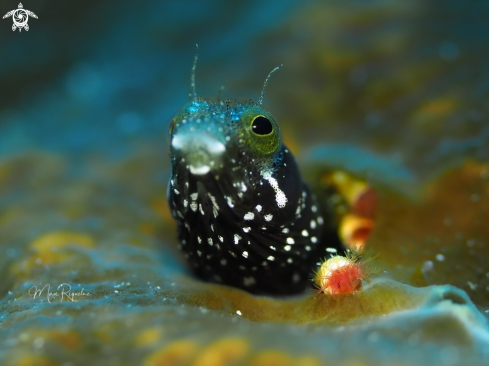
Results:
<point x="20" y="17"/>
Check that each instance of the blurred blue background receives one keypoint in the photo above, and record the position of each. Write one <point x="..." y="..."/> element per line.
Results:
<point x="90" y="73"/>
<point x="408" y="79"/>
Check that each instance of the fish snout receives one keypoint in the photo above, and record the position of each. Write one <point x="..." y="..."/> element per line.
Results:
<point x="201" y="151"/>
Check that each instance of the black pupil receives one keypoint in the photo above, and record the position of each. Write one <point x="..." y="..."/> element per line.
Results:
<point x="262" y="126"/>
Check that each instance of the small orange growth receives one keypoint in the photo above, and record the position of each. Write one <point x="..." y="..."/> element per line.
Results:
<point x="341" y="275"/>
<point x="355" y="229"/>
<point x="358" y="219"/>
<point x="365" y="203"/>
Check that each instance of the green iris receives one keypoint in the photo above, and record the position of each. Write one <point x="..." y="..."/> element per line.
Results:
<point x="261" y="131"/>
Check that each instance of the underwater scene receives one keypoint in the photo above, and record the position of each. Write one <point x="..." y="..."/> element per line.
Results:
<point x="308" y="186"/>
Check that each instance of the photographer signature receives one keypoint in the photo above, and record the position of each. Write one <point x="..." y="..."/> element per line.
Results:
<point x="63" y="292"/>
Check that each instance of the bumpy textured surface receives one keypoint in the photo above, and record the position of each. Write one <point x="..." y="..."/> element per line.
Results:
<point x="394" y="93"/>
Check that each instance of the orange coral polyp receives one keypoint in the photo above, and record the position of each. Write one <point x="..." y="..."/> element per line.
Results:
<point x="340" y="275"/>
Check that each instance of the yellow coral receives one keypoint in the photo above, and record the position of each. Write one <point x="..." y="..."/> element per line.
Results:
<point x="223" y="352"/>
<point x="148" y="336"/>
<point x="173" y="354"/>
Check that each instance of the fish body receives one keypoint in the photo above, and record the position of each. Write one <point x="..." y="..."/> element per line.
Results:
<point x="245" y="216"/>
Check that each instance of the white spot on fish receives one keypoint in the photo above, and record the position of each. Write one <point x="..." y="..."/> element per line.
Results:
<point x="314" y="239"/>
<point x="215" y="207"/>
<point x="305" y="233"/>
<point x="268" y="217"/>
<point x="258" y="208"/>
<point x="199" y="239"/>
<point x="246" y="229"/>
<point x="287" y="248"/>
<point x="245" y="254"/>
<point x="290" y="241"/>
<point x="271" y="258"/>
<point x="281" y="199"/>
<point x="221" y="238"/>
<point x="185" y="203"/>
<point x="280" y="196"/>
<point x="313" y="224"/>
<point x="194" y="196"/>
<point x="331" y="250"/>
<point x="200" y="170"/>
<point x="285" y="230"/>
<point x="298" y="210"/>
<point x="236" y="238"/>
<point x="209" y="240"/>
<point x="193" y="206"/>
<point x="249" y="216"/>
<point x="176" y="191"/>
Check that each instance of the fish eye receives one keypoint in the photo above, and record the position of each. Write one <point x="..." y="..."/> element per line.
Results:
<point x="261" y="126"/>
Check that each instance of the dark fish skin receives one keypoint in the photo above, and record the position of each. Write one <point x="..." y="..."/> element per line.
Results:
<point x="245" y="216"/>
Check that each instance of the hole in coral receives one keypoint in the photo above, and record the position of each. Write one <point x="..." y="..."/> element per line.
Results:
<point x="454" y="297"/>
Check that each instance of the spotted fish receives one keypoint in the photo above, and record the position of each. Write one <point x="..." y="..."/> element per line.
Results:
<point x="245" y="216"/>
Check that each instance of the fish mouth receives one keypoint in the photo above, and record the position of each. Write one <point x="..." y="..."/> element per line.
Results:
<point x="205" y="195"/>
<point x="201" y="152"/>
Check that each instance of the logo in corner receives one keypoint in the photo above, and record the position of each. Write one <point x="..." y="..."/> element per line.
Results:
<point x="20" y="17"/>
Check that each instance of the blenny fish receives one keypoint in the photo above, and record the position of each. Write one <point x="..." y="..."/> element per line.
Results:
<point x="245" y="216"/>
